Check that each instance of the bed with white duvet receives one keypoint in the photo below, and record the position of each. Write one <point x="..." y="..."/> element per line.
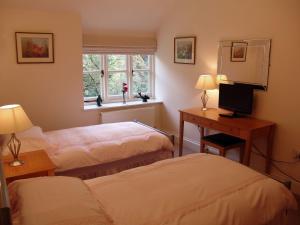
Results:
<point x="191" y="190"/>
<point x="92" y="151"/>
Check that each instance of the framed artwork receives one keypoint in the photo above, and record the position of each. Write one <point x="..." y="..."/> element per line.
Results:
<point x="185" y="50"/>
<point x="34" y="47"/>
<point x="239" y="51"/>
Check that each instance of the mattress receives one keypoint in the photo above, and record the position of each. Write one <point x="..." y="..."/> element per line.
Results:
<point x="191" y="190"/>
<point x="98" y="144"/>
<point x="88" y="146"/>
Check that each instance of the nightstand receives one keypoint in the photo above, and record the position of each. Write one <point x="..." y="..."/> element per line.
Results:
<point x="36" y="163"/>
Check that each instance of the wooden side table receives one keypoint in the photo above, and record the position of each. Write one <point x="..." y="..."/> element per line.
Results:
<point x="36" y="163"/>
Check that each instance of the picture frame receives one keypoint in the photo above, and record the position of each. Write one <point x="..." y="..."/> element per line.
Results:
<point x="185" y="50"/>
<point x="238" y="51"/>
<point x="34" y="47"/>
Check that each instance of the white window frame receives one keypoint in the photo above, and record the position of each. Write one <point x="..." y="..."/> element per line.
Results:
<point x="151" y="74"/>
<point x="130" y="96"/>
<point x="93" y="98"/>
<point x="114" y="98"/>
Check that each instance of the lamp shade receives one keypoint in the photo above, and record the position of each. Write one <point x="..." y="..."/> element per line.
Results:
<point x="205" y="82"/>
<point x="13" y="119"/>
<point x="221" y="78"/>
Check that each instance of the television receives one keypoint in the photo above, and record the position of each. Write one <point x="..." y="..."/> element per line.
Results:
<point x="237" y="98"/>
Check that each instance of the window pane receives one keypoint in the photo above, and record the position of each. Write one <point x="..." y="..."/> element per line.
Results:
<point x="92" y="81"/>
<point x="116" y="62"/>
<point x="92" y="84"/>
<point x="141" y="82"/>
<point x="141" y="62"/>
<point x="91" y="62"/>
<point x="115" y="82"/>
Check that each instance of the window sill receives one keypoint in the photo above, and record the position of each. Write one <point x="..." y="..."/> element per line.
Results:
<point x="120" y="105"/>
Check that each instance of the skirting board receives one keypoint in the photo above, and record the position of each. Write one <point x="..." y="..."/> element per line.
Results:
<point x="188" y="144"/>
<point x="192" y="145"/>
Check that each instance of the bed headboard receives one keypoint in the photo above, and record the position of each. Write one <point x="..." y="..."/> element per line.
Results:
<point x="5" y="215"/>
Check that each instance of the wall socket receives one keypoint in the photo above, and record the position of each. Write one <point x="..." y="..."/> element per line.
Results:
<point x="297" y="154"/>
<point x="295" y="188"/>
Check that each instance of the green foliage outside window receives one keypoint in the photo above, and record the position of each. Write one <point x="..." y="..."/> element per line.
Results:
<point x="117" y="74"/>
<point x="115" y="82"/>
<point x="92" y="82"/>
<point x="141" y="79"/>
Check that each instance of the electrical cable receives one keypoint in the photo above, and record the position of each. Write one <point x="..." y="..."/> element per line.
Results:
<point x="275" y="160"/>
<point x="258" y="152"/>
<point x="286" y="174"/>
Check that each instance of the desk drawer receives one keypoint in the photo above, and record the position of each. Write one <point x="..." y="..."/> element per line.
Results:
<point x="204" y="122"/>
<point x="223" y="128"/>
<point x="195" y="120"/>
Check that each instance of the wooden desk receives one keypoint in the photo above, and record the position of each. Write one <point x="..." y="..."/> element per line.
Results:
<point x="36" y="163"/>
<point x="246" y="128"/>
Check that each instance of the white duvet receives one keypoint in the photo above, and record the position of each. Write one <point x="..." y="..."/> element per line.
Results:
<point x="198" y="189"/>
<point x="92" y="145"/>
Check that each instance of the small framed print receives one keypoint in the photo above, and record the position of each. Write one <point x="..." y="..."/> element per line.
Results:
<point x="184" y="50"/>
<point x="34" y="47"/>
<point x="239" y="51"/>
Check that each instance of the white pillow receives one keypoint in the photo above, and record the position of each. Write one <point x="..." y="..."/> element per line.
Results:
<point x="31" y="140"/>
<point x="55" y="201"/>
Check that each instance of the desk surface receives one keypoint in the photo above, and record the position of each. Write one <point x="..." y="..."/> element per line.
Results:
<point x="247" y="128"/>
<point x="245" y="123"/>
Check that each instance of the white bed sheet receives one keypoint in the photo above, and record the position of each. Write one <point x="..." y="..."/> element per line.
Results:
<point x="192" y="190"/>
<point x="92" y="145"/>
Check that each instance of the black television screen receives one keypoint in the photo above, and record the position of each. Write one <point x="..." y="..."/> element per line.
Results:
<point x="237" y="98"/>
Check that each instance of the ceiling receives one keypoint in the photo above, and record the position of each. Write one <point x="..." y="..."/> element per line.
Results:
<point x="141" y="17"/>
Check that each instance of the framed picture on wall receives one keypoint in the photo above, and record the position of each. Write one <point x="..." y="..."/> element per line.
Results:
<point x="239" y="51"/>
<point x="34" y="47"/>
<point x="185" y="50"/>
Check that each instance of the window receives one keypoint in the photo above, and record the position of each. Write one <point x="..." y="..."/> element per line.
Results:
<point x="104" y="74"/>
<point x="92" y="75"/>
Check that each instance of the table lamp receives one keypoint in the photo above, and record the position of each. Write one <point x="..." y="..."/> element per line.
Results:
<point x="221" y="78"/>
<point x="205" y="82"/>
<point x="13" y="119"/>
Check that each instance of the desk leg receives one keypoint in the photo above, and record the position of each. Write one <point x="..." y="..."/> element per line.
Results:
<point x="247" y="153"/>
<point x="269" y="149"/>
<point x="202" y="146"/>
<point x="181" y="129"/>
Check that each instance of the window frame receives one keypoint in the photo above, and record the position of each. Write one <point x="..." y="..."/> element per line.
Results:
<point x="129" y="73"/>
<point x="113" y="98"/>
<point x="151" y="74"/>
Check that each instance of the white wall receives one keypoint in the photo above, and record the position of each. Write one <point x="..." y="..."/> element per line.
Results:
<point x="214" y="20"/>
<point x="51" y="94"/>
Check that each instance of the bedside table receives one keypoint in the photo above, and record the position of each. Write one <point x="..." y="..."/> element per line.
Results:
<point x="36" y="163"/>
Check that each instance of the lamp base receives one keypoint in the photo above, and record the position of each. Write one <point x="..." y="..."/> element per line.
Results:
<point x="14" y="145"/>
<point x="16" y="162"/>
<point x="204" y="99"/>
